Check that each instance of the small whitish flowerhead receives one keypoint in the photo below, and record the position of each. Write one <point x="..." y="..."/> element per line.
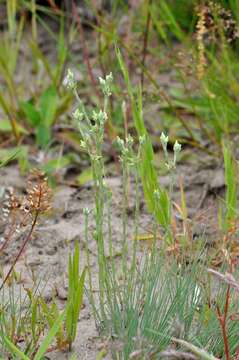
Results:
<point x="177" y="147"/>
<point x="164" y="140"/>
<point x="99" y="117"/>
<point x="109" y="78"/>
<point x="95" y="158"/>
<point x="77" y="115"/>
<point x="102" y="116"/>
<point x="69" y="81"/>
<point x="129" y="140"/>
<point x="83" y="144"/>
<point x="142" y="139"/>
<point x="120" y="142"/>
<point x="106" y="84"/>
<point x="86" y="211"/>
<point x="102" y="81"/>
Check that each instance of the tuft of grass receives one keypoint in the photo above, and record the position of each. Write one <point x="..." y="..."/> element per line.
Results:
<point x="75" y="295"/>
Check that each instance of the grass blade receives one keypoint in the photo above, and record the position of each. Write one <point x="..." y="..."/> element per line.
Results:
<point x="14" y="349"/>
<point x="50" y="336"/>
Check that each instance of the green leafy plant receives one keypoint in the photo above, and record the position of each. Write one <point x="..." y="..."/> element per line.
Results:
<point x="66" y="334"/>
<point x="43" y="118"/>
<point x="75" y="295"/>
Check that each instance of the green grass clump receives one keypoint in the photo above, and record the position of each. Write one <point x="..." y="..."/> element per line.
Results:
<point x="30" y="317"/>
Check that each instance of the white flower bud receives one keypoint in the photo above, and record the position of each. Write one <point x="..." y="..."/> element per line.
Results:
<point x="106" y="84"/>
<point x="129" y="140"/>
<point x="177" y="147"/>
<point x="142" y="140"/>
<point x="120" y="142"/>
<point x="102" y="117"/>
<point x="69" y="81"/>
<point x="77" y="115"/>
<point x="83" y="144"/>
<point x="86" y="211"/>
<point x="164" y="140"/>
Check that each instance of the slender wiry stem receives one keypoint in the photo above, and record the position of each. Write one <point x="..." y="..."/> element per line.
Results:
<point x="28" y="237"/>
<point x="222" y="318"/>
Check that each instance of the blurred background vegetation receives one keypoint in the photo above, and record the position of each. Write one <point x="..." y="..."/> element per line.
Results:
<point x="183" y="55"/>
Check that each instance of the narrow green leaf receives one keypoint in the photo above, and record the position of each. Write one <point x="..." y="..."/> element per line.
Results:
<point x="43" y="135"/>
<point x="48" y="106"/>
<point x="196" y="350"/>
<point x="50" y="336"/>
<point x="76" y="258"/>
<point x="33" y="116"/>
<point x="231" y="186"/>
<point x="14" y="349"/>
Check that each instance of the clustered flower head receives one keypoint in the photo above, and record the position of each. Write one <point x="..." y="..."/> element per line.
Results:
<point x="213" y="22"/>
<point x="99" y="117"/>
<point x="86" y="211"/>
<point x="125" y="146"/>
<point x="69" y="81"/>
<point x="77" y="115"/>
<point x="12" y="203"/>
<point x="164" y="141"/>
<point x="19" y="212"/>
<point x="127" y="152"/>
<point x="142" y="140"/>
<point x="90" y="126"/>
<point x="106" y="84"/>
<point x="176" y="149"/>
<point x="38" y="198"/>
<point x="38" y="193"/>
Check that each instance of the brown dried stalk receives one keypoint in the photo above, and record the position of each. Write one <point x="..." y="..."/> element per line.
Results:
<point x="36" y="203"/>
<point x="222" y="317"/>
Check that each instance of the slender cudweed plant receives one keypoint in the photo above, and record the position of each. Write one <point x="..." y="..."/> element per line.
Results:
<point x="171" y="164"/>
<point x="91" y="129"/>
